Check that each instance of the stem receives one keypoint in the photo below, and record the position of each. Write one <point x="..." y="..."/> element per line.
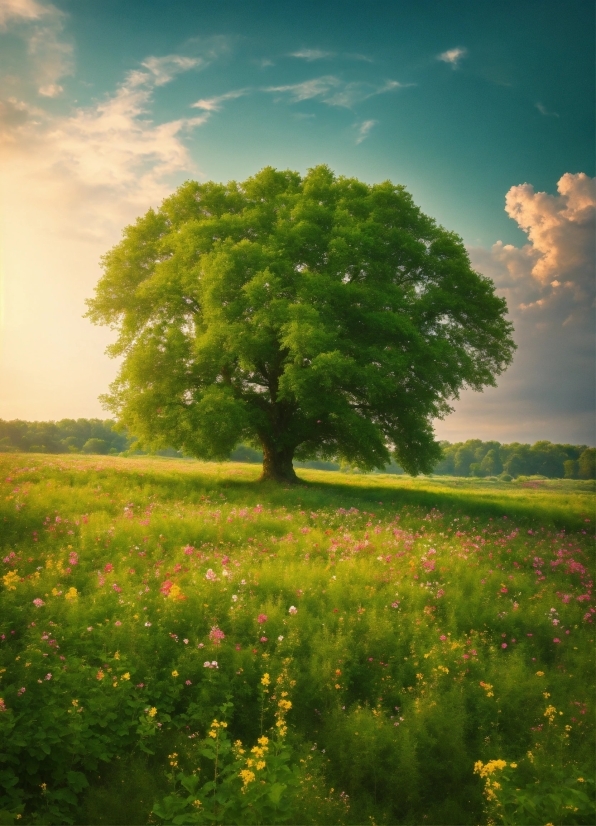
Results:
<point x="215" y="773"/>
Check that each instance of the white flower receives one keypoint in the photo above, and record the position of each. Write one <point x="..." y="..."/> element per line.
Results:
<point x="280" y="638"/>
<point x="234" y="597"/>
<point x="292" y="609"/>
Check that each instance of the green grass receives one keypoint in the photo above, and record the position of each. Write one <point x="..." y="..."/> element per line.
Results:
<point x="412" y="596"/>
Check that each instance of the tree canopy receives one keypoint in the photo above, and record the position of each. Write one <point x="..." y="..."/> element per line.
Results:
<point x="314" y="316"/>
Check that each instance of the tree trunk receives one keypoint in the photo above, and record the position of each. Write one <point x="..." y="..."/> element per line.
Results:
<point x="277" y="465"/>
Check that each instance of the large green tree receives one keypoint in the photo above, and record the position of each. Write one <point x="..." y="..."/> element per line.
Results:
<point x="313" y="316"/>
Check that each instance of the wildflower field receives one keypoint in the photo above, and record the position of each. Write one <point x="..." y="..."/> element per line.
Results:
<point x="181" y="644"/>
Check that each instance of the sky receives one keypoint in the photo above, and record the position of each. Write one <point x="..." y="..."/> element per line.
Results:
<point x="483" y="109"/>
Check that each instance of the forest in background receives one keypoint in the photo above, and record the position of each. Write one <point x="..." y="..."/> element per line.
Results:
<point x="473" y="458"/>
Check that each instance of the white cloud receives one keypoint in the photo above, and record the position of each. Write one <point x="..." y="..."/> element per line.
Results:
<point x="363" y="129"/>
<point x="42" y="27"/>
<point x="312" y="54"/>
<point x="548" y="392"/>
<point x="21" y="10"/>
<point x="214" y="104"/>
<point x="452" y="56"/>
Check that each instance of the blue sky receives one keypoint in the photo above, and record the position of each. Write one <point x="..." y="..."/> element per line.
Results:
<point x="108" y="104"/>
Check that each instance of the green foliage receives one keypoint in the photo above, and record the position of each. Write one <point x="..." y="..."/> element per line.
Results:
<point x="65" y="436"/>
<point x="552" y="461"/>
<point x="417" y="626"/>
<point x="316" y="317"/>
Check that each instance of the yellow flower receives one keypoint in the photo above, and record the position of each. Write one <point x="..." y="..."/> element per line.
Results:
<point x="247" y="776"/>
<point x="126" y="676"/>
<point x="286" y="705"/>
<point x="174" y="673"/>
<point x="117" y="655"/>
<point x="212" y="733"/>
<point x="175" y="592"/>
<point x="261" y="765"/>
<point x="580" y="780"/>
<point x="71" y="594"/>
<point x="115" y="684"/>
<point x="197" y="802"/>
<point x="540" y="673"/>
<point x="152" y="711"/>
<point x="513" y="765"/>
<point x="100" y="675"/>
<point x="10" y="579"/>
<point x="265" y="679"/>
<point x="262" y="741"/>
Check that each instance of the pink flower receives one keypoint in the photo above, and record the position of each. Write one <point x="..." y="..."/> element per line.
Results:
<point x="503" y="645"/>
<point x="187" y="682"/>
<point x="117" y="623"/>
<point x="440" y="593"/>
<point x="237" y="647"/>
<point x="38" y="602"/>
<point x="216" y="635"/>
<point x="188" y="549"/>
<point x="442" y="637"/>
<point x="395" y="604"/>
<point x="556" y="639"/>
<point x="211" y="575"/>
<point x="48" y="676"/>
<point x="166" y="587"/>
<point x="21" y="691"/>
<point x="108" y="568"/>
<point x="473" y="652"/>
<point x="262" y="618"/>
<point x="263" y="639"/>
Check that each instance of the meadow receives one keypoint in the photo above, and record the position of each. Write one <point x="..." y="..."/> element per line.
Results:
<point x="182" y="644"/>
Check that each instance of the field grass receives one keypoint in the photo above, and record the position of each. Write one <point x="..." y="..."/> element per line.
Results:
<point x="380" y="649"/>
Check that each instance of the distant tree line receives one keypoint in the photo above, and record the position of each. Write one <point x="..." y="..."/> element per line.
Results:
<point x="478" y="458"/>
<point x="65" y="436"/>
<point x="473" y="458"/>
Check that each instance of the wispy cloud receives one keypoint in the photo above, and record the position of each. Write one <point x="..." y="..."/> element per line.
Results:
<point x="363" y="129"/>
<point x="214" y="104"/>
<point x="335" y="92"/>
<point x="544" y="111"/>
<point x="312" y="54"/>
<point x="308" y="89"/>
<point x="164" y="69"/>
<point x="453" y="56"/>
